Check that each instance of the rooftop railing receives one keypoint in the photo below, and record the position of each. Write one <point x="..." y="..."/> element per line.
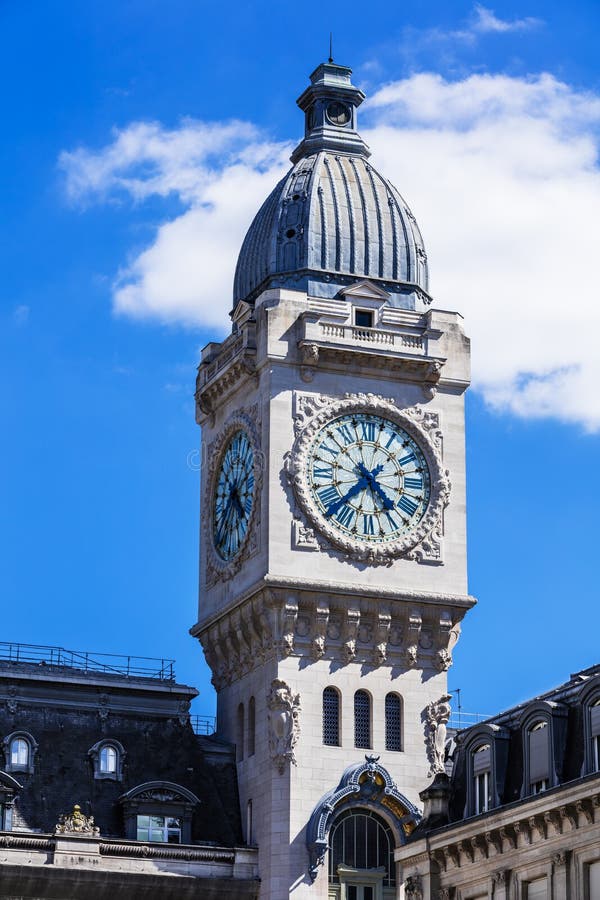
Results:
<point x="459" y="719"/>
<point x="203" y="724"/>
<point x="87" y="661"/>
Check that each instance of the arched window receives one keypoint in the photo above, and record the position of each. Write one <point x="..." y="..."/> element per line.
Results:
<point x="19" y="752"/>
<point x="108" y="760"/>
<point x="331" y="717"/>
<point x="482" y="778"/>
<point x="360" y="839"/>
<point x="393" y="722"/>
<point x="239" y="741"/>
<point x="251" y="727"/>
<point x="538" y="743"/>
<point x="362" y="720"/>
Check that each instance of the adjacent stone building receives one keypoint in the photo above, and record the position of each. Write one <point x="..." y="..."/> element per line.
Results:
<point x="519" y="817"/>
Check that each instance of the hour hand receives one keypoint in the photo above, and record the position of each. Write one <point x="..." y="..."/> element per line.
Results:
<point x="354" y="490"/>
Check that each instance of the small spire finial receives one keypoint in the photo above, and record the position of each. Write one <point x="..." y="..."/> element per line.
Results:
<point x="331" y="46"/>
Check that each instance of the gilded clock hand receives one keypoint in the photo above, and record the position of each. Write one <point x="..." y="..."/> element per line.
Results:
<point x="354" y="490"/>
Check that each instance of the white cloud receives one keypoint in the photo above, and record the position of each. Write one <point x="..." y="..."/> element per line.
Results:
<point x="485" y="21"/>
<point x="502" y="174"/>
<point x="221" y="172"/>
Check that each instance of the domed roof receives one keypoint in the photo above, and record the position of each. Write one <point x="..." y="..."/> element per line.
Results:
<point x="333" y="215"/>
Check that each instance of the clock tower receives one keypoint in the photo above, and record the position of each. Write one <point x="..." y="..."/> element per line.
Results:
<point x="333" y="553"/>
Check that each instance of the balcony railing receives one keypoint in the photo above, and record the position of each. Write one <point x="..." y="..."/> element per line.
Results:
<point x="376" y="338"/>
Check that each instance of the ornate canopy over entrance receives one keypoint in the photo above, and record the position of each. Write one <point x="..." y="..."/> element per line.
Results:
<point x="368" y="786"/>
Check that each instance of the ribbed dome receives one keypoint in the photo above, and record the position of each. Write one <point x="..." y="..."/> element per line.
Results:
<point x="332" y="213"/>
<point x="333" y="219"/>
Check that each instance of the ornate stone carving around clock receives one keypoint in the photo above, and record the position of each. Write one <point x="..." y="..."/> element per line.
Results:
<point x="369" y="477"/>
<point x="223" y="558"/>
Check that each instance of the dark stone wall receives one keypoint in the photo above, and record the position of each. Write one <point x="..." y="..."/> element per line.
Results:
<point x="157" y="749"/>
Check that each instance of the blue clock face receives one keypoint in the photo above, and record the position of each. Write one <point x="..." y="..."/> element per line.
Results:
<point x="368" y="478"/>
<point x="234" y="496"/>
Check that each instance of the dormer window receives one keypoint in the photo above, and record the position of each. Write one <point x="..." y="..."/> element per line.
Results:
<point x="107" y="758"/>
<point x="363" y="318"/>
<point x="539" y="757"/>
<point x="594" y="725"/>
<point x="19" y="752"/>
<point x="482" y="779"/>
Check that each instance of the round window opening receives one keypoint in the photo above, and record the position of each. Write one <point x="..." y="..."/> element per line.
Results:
<point x="338" y="113"/>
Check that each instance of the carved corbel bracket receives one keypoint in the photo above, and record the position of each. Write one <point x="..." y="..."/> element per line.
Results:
<point x="309" y="360"/>
<point x="290" y="616"/>
<point x="320" y="620"/>
<point x="413" y="633"/>
<point x="383" y="621"/>
<point x="508" y="837"/>
<point x="351" y="626"/>
<point x="568" y="818"/>
<point x="585" y="811"/>
<point x="493" y="843"/>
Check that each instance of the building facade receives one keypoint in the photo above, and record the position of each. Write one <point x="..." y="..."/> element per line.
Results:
<point x="520" y="815"/>
<point x="105" y="789"/>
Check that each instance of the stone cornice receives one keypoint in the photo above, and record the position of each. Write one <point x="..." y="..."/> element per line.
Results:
<point x="277" y="622"/>
<point x="341" y="589"/>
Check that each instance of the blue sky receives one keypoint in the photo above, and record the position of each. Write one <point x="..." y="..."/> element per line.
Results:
<point x="138" y="138"/>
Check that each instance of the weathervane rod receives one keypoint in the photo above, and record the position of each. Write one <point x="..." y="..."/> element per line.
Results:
<point x="331" y="46"/>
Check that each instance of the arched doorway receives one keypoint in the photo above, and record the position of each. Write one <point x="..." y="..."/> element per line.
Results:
<point x="361" y="857"/>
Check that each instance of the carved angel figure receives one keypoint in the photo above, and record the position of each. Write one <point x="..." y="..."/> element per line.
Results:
<point x="284" y="723"/>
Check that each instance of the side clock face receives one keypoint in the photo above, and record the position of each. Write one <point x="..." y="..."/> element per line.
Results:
<point x="233" y="496"/>
<point x="368" y="478"/>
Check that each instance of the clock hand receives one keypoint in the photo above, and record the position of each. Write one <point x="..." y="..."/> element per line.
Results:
<point x="237" y="502"/>
<point x="354" y="490"/>
<point x="374" y="485"/>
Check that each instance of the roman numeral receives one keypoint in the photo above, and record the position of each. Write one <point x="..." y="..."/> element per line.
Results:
<point x="368" y="431"/>
<point x="328" y="495"/>
<point x="407" y="504"/>
<point x="345" y="515"/>
<point x="345" y="433"/>
<point x="391" y="440"/>
<point x="406" y="459"/>
<point x="368" y="525"/>
<point x="323" y="472"/>
<point x="414" y="483"/>
<point x="327" y="449"/>
<point x="392" y="521"/>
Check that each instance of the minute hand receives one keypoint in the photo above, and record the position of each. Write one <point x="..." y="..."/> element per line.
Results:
<point x="354" y="490"/>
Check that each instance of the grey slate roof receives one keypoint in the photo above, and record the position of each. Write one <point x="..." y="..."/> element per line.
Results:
<point x="332" y="213"/>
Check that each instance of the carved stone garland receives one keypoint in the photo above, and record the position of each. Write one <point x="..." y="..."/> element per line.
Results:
<point x="247" y="421"/>
<point x="423" y="542"/>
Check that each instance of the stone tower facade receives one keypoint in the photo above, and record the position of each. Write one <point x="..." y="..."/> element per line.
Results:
<point x="333" y="551"/>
